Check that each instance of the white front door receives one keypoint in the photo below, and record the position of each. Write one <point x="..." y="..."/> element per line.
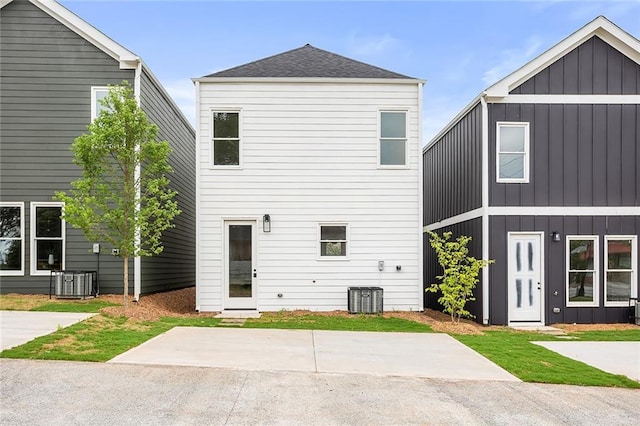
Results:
<point x="240" y="265"/>
<point x="525" y="286"/>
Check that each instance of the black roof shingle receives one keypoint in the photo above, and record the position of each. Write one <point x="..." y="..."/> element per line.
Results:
<point x="308" y="62"/>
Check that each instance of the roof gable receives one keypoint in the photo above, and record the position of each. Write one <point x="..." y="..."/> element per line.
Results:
<point x="126" y="58"/>
<point x="307" y="62"/>
<point x="601" y="27"/>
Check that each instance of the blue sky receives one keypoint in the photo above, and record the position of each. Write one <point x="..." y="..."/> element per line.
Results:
<point x="459" y="47"/>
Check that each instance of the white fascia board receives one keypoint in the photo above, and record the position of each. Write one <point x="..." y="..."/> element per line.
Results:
<point x="567" y="99"/>
<point x="601" y="26"/>
<point x="452" y="123"/>
<point x="318" y="80"/>
<point x="126" y="58"/>
<point x="3" y="3"/>
<point x="463" y="217"/>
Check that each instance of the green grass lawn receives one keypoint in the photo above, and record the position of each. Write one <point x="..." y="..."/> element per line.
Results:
<point x="12" y="302"/>
<point x="513" y="351"/>
<point x="285" y="320"/>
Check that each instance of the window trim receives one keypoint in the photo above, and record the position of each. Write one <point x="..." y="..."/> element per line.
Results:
<point x="33" y="240"/>
<point x="19" y="273"/>
<point x="596" y="270"/>
<point x="405" y="139"/>
<point x="346" y="241"/>
<point x="94" y="101"/>
<point x="212" y="138"/>
<point x="634" y="268"/>
<point x="526" y="125"/>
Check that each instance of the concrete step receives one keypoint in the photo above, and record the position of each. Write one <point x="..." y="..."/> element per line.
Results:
<point x="232" y="322"/>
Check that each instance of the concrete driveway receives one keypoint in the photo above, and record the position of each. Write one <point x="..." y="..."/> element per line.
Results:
<point x="19" y="327"/>
<point x="388" y="354"/>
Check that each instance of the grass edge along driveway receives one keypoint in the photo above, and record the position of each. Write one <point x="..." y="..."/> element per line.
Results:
<point x="102" y="337"/>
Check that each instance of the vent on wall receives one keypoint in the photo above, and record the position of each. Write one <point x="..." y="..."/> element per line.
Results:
<point x="365" y="300"/>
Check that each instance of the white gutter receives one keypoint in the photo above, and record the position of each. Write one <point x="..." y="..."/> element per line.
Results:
<point x="485" y="209"/>
<point x="420" y="205"/>
<point x="137" y="261"/>
<point x="197" y="180"/>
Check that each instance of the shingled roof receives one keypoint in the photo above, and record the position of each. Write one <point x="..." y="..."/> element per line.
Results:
<point x="307" y="62"/>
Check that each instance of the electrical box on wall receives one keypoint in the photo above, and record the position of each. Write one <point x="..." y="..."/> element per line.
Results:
<point x="96" y="248"/>
<point x="380" y="265"/>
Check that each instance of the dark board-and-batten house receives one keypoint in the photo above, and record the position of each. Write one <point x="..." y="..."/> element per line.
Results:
<point x="54" y="67"/>
<point x="542" y="171"/>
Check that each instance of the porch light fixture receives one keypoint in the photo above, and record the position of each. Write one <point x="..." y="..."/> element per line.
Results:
<point x="266" y="223"/>
<point x="555" y="236"/>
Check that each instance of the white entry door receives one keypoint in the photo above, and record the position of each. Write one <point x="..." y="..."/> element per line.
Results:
<point x="240" y="265"/>
<point x="525" y="287"/>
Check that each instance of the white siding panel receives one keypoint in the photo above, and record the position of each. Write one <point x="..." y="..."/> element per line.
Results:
<point x="309" y="155"/>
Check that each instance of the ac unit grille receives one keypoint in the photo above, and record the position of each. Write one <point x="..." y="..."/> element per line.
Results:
<point x="365" y="300"/>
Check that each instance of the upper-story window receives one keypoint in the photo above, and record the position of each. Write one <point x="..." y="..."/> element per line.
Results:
<point x="97" y="94"/>
<point x="512" y="147"/>
<point x="47" y="238"/>
<point x="11" y="238"/>
<point x="621" y="269"/>
<point x="393" y="139"/>
<point x="226" y="139"/>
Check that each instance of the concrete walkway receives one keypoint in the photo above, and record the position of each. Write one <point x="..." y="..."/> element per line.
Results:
<point x="612" y="357"/>
<point x="20" y="327"/>
<point x="387" y="354"/>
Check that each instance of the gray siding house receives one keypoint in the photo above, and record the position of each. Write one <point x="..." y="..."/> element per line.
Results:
<point x="53" y="69"/>
<point x="542" y="171"/>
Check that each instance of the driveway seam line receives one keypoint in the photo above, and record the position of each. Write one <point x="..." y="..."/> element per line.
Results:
<point x="233" y="407"/>
<point x="313" y="345"/>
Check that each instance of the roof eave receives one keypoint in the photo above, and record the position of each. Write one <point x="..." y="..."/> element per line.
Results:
<point x="601" y="26"/>
<point x="307" y="80"/>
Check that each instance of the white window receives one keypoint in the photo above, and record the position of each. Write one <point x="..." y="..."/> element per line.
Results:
<point x="582" y="270"/>
<point x="225" y="146"/>
<point x="620" y="269"/>
<point x="11" y="239"/>
<point x="334" y="240"/>
<point x="97" y="94"/>
<point x="47" y="238"/>
<point x="393" y="139"/>
<point x="512" y="152"/>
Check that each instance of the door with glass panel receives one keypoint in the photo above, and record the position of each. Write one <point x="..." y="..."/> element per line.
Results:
<point x="525" y="285"/>
<point x="240" y="265"/>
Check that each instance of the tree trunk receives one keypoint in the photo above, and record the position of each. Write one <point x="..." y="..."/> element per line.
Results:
<point x="125" y="295"/>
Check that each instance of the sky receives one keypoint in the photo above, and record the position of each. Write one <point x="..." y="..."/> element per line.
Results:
<point x="459" y="47"/>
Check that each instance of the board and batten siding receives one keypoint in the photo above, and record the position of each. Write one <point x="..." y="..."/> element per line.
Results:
<point x="580" y="155"/>
<point x="45" y="97"/>
<point x="175" y="266"/>
<point x="453" y="170"/>
<point x="309" y="156"/>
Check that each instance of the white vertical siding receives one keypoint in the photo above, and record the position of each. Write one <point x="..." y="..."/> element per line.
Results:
<point x="309" y="155"/>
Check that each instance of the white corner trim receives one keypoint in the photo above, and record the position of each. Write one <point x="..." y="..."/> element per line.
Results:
<point x="484" y="116"/>
<point x="197" y="195"/>
<point x="127" y="59"/>
<point x="420" y="202"/>
<point x="471" y="214"/>
<point x="563" y="211"/>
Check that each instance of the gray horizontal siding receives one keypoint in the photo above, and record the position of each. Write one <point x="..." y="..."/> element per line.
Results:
<point x="471" y="228"/>
<point x="175" y="266"/>
<point x="45" y="102"/>
<point x="452" y="168"/>
<point x="555" y="263"/>
<point x="580" y="155"/>
<point x="594" y="67"/>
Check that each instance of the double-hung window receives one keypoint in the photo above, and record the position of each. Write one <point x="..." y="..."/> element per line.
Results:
<point x="11" y="239"/>
<point x="512" y="152"/>
<point x="226" y="139"/>
<point x="393" y="139"/>
<point x="582" y="273"/>
<point x="47" y="238"/>
<point x="97" y="95"/>
<point x="334" y="240"/>
<point x="621" y="269"/>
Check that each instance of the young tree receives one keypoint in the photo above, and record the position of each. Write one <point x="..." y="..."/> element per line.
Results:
<point x="460" y="273"/>
<point x="122" y="197"/>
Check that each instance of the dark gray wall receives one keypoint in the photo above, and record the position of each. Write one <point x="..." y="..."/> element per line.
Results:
<point x="471" y="228"/>
<point x="453" y="170"/>
<point x="46" y="74"/>
<point x="594" y="67"/>
<point x="555" y="263"/>
<point x="580" y="155"/>
<point x="175" y="266"/>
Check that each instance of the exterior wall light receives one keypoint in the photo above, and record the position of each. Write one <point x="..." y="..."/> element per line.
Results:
<point x="266" y="223"/>
<point x="555" y="236"/>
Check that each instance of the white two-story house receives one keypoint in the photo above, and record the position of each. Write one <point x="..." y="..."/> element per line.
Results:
<point x="308" y="183"/>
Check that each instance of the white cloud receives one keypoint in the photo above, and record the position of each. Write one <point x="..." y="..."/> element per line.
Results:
<point x="183" y="93"/>
<point x="375" y="45"/>
<point x="512" y="59"/>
